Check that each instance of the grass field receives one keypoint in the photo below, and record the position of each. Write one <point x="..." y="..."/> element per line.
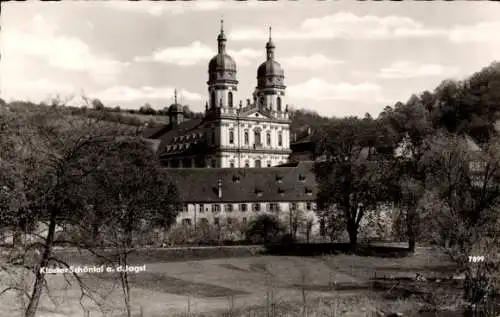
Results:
<point x="216" y="285"/>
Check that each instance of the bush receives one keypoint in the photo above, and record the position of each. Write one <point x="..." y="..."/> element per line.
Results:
<point x="265" y="229"/>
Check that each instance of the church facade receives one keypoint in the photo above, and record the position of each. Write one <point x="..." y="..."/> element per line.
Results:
<point x="231" y="135"/>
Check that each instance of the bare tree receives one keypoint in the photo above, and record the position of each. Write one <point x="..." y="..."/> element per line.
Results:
<point x="461" y="210"/>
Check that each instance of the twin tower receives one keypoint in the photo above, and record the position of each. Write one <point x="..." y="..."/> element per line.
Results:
<point x="222" y="82"/>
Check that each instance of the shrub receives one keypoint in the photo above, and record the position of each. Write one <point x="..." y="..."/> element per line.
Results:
<point x="265" y="229"/>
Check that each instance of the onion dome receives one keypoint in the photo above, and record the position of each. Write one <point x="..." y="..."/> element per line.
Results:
<point x="270" y="73"/>
<point x="222" y="67"/>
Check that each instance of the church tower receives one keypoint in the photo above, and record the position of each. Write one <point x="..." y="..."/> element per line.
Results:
<point x="222" y="83"/>
<point x="270" y="90"/>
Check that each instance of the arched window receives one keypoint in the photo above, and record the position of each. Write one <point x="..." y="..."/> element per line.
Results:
<point x="230" y="99"/>
<point x="247" y="164"/>
<point x="256" y="136"/>
<point x="246" y="137"/>
<point x="212" y="99"/>
<point x="278" y="103"/>
<point x="280" y="139"/>
<point x="268" y="139"/>
<point x="261" y="101"/>
<point x="231" y="137"/>
<point x="258" y="163"/>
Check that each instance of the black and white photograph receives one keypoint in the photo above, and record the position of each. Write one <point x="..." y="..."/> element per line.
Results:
<point x="219" y="158"/>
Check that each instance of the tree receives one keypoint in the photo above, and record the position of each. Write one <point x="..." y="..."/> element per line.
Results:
<point x="63" y="170"/>
<point x="296" y="219"/>
<point x="97" y="104"/>
<point x="461" y="209"/>
<point x="130" y="193"/>
<point x="412" y="125"/>
<point x="264" y="228"/>
<point x="348" y="181"/>
<point x="147" y="109"/>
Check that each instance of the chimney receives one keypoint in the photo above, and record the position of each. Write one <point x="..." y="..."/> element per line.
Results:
<point x="295" y="136"/>
<point x="219" y="187"/>
<point x="308" y="130"/>
<point x="248" y="102"/>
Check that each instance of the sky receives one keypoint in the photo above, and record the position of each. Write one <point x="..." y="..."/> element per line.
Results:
<point x="340" y="58"/>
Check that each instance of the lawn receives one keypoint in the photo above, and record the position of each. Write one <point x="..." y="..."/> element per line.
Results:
<point x="215" y="285"/>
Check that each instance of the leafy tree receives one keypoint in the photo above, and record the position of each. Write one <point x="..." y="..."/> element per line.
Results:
<point x="460" y="208"/>
<point x="349" y="182"/>
<point x="147" y="109"/>
<point x="98" y="105"/>
<point x="129" y="193"/>
<point x="264" y="228"/>
<point x="410" y="125"/>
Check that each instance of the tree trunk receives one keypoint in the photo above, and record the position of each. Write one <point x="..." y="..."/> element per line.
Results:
<point x="411" y="229"/>
<point x="39" y="275"/>
<point x="17" y="238"/>
<point x="353" y="237"/>
<point x="124" y="281"/>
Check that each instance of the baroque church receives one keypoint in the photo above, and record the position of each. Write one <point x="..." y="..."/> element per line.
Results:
<point x="231" y="135"/>
<point x="239" y="159"/>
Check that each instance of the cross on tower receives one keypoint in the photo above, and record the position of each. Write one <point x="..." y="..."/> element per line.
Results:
<point x="270" y="33"/>
<point x="175" y="95"/>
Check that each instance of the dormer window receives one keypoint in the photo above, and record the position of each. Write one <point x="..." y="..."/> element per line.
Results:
<point x="281" y="191"/>
<point x="302" y="178"/>
<point x="175" y="139"/>
<point x="308" y="191"/>
<point x="169" y="147"/>
<point x="236" y="179"/>
<point x="279" y="179"/>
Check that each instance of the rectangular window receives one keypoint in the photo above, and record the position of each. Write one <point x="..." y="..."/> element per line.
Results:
<point x="246" y="138"/>
<point x="256" y="207"/>
<point x="231" y="165"/>
<point x="229" y="221"/>
<point x="229" y="207"/>
<point x="309" y="206"/>
<point x="204" y="221"/>
<point x="272" y="207"/>
<point x="186" y="221"/>
<point x="216" y="208"/>
<point x="216" y="221"/>
<point x="200" y="207"/>
<point x="294" y="206"/>
<point x="280" y="139"/>
<point x="231" y="137"/>
<point x="244" y="220"/>
<point x="243" y="207"/>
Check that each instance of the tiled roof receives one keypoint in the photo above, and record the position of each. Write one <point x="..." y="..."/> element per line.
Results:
<point x="270" y="184"/>
<point x="155" y="132"/>
<point x="183" y="137"/>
